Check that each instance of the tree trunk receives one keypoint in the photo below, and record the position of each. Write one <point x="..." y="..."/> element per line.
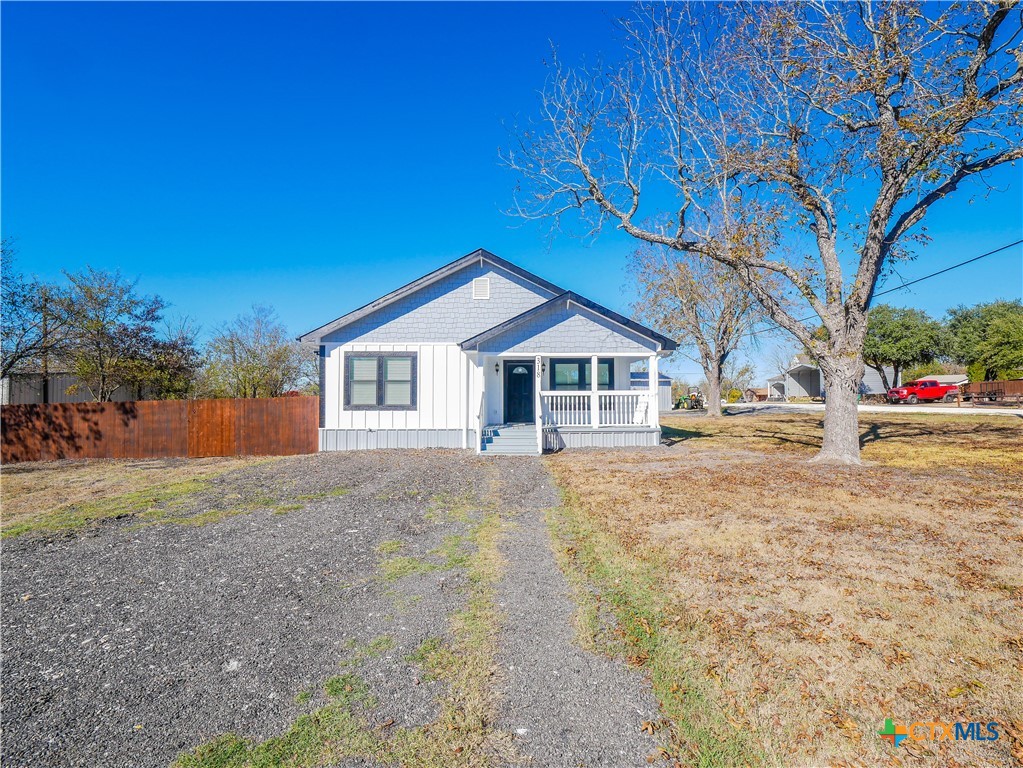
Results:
<point x="713" y="376"/>
<point x="884" y="376"/>
<point x="842" y="376"/>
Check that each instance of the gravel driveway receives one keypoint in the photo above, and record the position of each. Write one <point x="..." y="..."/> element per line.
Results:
<point x="127" y="645"/>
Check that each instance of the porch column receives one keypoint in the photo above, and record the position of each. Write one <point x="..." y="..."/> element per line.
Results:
<point x="538" y="401"/>
<point x="654" y="382"/>
<point x="594" y="400"/>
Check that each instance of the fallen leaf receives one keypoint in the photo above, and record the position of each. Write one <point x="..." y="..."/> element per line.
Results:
<point x="649" y="727"/>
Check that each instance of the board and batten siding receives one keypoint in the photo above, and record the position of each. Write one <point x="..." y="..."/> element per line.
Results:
<point x="442" y="381"/>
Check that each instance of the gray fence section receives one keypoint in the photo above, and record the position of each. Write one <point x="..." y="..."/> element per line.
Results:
<point x="364" y="439"/>
<point x="28" y="389"/>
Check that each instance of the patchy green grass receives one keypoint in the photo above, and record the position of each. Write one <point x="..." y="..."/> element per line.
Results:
<point x="158" y="499"/>
<point x="389" y="547"/>
<point x="154" y="503"/>
<point x="359" y="652"/>
<point x="399" y="567"/>
<point x="449" y="507"/>
<point x="461" y="736"/>
<point x="303" y="697"/>
<point x="348" y="689"/>
<point x="320" y="737"/>
<point x="329" y="494"/>
<point x="433" y="655"/>
<point x="452" y="553"/>
<point x="35" y="491"/>
<point x="166" y="514"/>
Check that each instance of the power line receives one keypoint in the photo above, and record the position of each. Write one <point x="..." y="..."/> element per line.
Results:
<point x="903" y="285"/>
<point x="948" y="269"/>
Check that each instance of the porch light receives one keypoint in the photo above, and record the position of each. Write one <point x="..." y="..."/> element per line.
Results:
<point x="543" y="367"/>
<point x="497" y="367"/>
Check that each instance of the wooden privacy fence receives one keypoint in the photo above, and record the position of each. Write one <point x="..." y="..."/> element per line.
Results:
<point x="980" y="391"/>
<point x="150" y="429"/>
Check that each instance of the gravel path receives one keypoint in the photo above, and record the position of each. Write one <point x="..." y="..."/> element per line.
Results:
<point x="126" y="645"/>
<point x="566" y="707"/>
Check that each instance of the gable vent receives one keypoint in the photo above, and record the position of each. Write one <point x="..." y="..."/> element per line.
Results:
<point x="481" y="288"/>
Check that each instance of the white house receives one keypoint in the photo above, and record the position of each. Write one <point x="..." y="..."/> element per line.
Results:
<point x="484" y="355"/>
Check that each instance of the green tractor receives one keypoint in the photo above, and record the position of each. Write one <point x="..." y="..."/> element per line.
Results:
<point x="692" y="401"/>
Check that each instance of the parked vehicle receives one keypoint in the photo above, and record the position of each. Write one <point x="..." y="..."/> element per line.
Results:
<point x="923" y="390"/>
<point x="693" y="401"/>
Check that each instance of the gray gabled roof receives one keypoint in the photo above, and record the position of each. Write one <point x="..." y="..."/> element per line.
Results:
<point x="479" y="254"/>
<point x="632" y="325"/>
<point x="644" y="377"/>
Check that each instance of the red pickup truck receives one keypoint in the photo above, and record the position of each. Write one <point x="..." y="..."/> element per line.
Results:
<point x="922" y="390"/>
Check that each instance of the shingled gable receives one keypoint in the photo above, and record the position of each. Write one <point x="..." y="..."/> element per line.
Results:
<point x="570" y="297"/>
<point x="479" y="255"/>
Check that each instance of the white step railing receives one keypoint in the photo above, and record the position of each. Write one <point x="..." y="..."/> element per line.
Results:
<point x="614" y="408"/>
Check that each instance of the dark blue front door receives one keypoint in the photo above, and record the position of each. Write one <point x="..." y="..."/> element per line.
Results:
<point x="518" y="391"/>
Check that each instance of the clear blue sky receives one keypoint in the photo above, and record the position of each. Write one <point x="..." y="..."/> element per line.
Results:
<point x="315" y="156"/>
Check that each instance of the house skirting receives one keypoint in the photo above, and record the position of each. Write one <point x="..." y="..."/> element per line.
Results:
<point x="605" y="437"/>
<point x="368" y="439"/>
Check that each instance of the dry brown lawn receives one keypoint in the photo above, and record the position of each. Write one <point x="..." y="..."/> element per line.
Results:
<point x="816" y="601"/>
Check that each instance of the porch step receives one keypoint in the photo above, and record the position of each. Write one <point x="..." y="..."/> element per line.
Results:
<point x="509" y="440"/>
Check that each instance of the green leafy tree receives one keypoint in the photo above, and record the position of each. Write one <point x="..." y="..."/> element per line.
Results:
<point x="112" y="331"/>
<point x="175" y="361"/>
<point x="255" y="356"/>
<point x="988" y="339"/>
<point x="900" y="338"/>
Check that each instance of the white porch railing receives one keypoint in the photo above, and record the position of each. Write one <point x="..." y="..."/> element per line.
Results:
<point x="614" y="408"/>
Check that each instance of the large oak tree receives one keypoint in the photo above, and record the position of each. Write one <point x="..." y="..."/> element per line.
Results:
<point x="800" y="144"/>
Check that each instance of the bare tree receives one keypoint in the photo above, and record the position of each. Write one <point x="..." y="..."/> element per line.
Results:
<point x="700" y="302"/>
<point x="35" y="319"/>
<point x="801" y="144"/>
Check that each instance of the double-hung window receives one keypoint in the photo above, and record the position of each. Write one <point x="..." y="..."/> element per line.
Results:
<point x="380" y="381"/>
<point x="575" y="374"/>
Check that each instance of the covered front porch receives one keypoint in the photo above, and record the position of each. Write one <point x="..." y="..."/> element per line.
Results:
<point x="558" y="376"/>
<point x="551" y="402"/>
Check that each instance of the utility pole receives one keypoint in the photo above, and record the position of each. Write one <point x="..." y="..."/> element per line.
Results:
<point x="45" y="364"/>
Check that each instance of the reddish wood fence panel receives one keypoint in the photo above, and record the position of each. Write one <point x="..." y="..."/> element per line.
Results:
<point x="1012" y="388"/>
<point x="159" y="429"/>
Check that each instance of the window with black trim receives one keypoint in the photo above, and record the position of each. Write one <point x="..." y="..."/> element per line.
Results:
<point x="380" y="381"/>
<point x="575" y="374"/>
